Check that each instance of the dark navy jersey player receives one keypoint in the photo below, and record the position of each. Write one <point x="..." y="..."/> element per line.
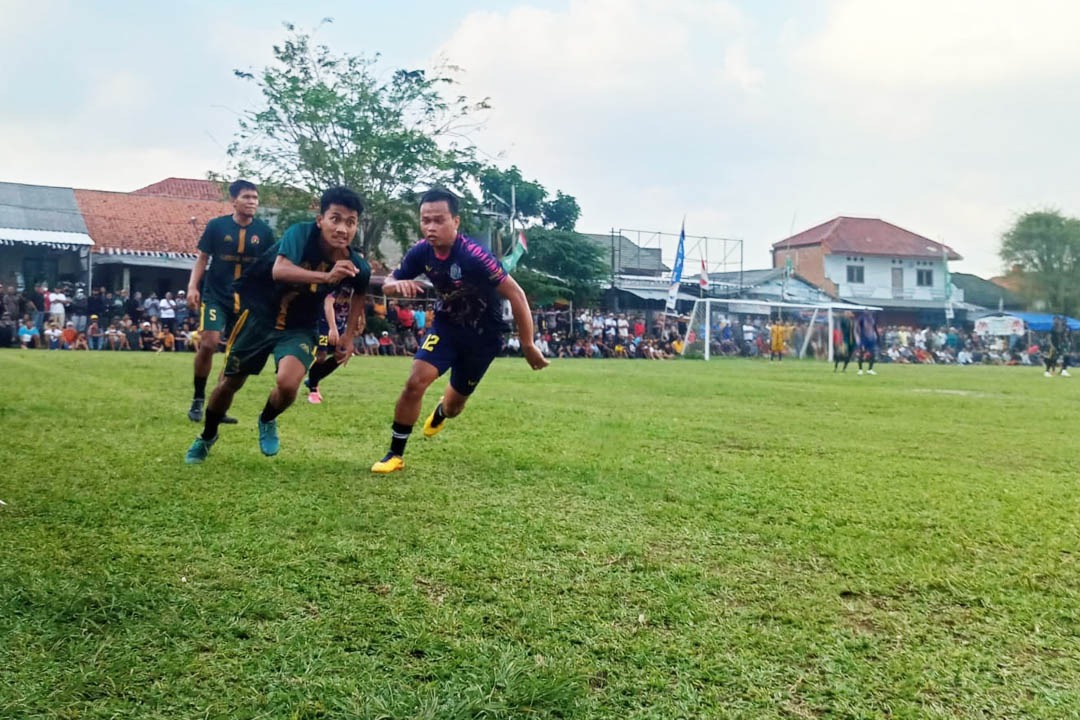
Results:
<point x="465" y="335"/>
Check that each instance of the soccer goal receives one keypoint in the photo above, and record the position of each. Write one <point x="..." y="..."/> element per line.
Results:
<point x="730" y="326"/>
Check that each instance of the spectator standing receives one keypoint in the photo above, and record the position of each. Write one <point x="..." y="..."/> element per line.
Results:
<point x="182" y="311"/>
<point x="151" y="307"/>
<point x="167" y="312"/>
<point x="419" y="321"/>
<point x="79" y="305"/>
<point x="58" y="307"/>
<point x="40" y="300"/>
<point x="11" y="302"/>
<point x="95" y="304"/>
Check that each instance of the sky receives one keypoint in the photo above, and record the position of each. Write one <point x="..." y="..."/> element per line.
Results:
<point x="751" y="119"/>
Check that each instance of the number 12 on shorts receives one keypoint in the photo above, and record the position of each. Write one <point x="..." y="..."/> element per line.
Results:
<point x="429" y="343"/>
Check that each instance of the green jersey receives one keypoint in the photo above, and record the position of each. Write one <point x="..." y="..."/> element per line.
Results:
<point x="232" y="248"/>
<point x="294" y="306"/>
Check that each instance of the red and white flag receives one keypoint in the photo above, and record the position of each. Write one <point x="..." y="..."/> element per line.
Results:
<point x="704" y="274"/>
<point x="523" y="241"/>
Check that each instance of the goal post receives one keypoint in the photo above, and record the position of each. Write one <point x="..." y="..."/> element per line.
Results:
<point x="716" y="324"/>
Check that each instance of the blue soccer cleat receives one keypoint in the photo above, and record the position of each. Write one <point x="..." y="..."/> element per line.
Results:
<point x="268" y="438"/>
<point x="199" y="450"/>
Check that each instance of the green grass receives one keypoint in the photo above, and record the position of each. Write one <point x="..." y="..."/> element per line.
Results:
<point x="605" y="539"/>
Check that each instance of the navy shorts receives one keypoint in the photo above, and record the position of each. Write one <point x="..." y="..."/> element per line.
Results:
<point x="465" y="351"/>
<point x="324" y="333"/>
<point x="868" y="346"/>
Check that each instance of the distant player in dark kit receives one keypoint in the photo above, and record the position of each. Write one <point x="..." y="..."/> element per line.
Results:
<point x="466" y="333"/>
<point x="282" y="297"/>
<point x="867" y="331"/>
<point x="229" y="245"/>
<point x="844" y="341"/>
<point x="332" y="327"/>
<point x="1060" y="347"/>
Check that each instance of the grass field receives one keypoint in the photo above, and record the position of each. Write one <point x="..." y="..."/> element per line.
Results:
<point x="605" y="539"/>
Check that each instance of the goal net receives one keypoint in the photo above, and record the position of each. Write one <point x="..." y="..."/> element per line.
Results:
<point x="746" y="328"/>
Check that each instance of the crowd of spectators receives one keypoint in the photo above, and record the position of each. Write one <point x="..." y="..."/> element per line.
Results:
<point x="898" y="344"/>
<point x="66" y="317"/>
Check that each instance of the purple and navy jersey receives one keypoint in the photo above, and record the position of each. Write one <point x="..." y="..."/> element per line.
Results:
<point x="342" y="301"/>
<point x="465" y="280"/>
<point x="867" y="327"/>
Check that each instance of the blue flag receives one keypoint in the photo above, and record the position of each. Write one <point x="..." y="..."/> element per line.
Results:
<point x="676" y="274"/>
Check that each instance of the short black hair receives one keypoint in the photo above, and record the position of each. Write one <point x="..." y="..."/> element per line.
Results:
<point x="435" y="195"/>
<point x="240" y="186"/>
<point x="343" y="196"/>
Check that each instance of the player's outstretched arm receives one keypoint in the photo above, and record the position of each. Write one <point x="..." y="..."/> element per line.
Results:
<point x="331" y="321"/>
<point x="519" y="306"/>
<point x="343" y="350"/>
<point x="401" y="288"/>
<point x="286" y="271"/>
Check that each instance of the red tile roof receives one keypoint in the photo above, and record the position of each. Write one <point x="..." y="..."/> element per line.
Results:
<point x="145" y="223"/>
<point x="867" y="236"/>
<point x="188" y="188"/>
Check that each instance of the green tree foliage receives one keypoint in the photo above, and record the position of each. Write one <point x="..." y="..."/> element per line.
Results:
<point x="562" y="213"/>
<point x="1045" y="247"/>
<point x="560" y="264"/>
<point x="495" y="189"/>
<point x="336" y="120"/>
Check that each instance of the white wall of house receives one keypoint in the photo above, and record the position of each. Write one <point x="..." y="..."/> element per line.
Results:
<point x="876" y="277"/>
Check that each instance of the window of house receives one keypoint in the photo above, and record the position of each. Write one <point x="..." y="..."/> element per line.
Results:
<point x="924" y="278"/>
<point x="855" y="274"/>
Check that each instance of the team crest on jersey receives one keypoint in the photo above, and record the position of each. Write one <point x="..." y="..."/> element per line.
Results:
<point x="254" y="239"/>
<point x="228" y="238"/>
<point x="455" y="272"/>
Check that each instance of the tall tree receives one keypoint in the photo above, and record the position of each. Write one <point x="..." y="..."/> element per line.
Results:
<point x="335" y="120"/>
<point x="495" y="189"/>
<point x="1045" y="247"/>
<point x="560" y="264"/>
<point x="562" y="213"/>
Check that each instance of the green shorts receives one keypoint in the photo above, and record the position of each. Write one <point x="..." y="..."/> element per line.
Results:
<point x="215" y="315"/>
<point x="254" y="339"/>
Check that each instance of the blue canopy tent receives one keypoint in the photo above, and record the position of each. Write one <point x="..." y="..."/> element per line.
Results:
<point x="1043" y="322"/>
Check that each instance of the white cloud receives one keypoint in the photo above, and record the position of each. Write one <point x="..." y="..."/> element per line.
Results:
<point x="593" y="98"/>
<point x="19" y="17"/>
<point x="43" y="156"/>
<point x="945" y="44"/>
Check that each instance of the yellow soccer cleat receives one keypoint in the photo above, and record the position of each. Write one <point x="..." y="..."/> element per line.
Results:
<point x="430" y="429"/>
<point x="390" y="463"/>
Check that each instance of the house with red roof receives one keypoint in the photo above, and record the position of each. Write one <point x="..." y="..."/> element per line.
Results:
<point x="189" y="188"/>
<point x="873" y="262"/>
<point x="145" y="242"/>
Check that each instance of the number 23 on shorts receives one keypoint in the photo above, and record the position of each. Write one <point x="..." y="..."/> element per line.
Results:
<point x="430" y="342"/>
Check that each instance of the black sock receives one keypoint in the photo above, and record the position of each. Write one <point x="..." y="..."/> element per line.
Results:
<point x="398" y="437"/>
<point x="319" y="371"/>
<point x="213" y="419"/>
<point x="269" y="412"/>
<point x="439" y="416"/>
<point x="200" y="388"/>
<point x="871" y="362"/>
